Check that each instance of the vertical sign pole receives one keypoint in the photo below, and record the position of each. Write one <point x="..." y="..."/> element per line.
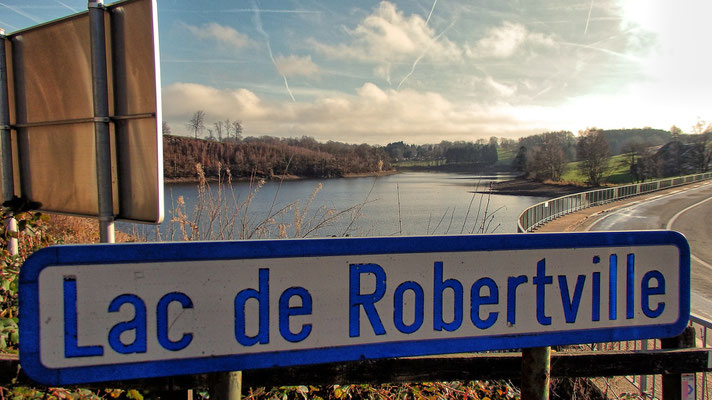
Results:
<point x="102" y="139"/>
<point x="226" y="386"/>
<point x="672" y="383"/>
<point x="536" y="370"/>
<point x="8" y="187"/>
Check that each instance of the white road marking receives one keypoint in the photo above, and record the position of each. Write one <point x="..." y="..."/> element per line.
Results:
<point x="675" y="217"/>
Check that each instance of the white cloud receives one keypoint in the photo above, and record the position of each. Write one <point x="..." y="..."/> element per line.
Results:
<point x="507" y="39"/>
<point x="372" y="115"/>
<point x="297" y="66"/>
<point x="501" y="88"/>
<point x="387" y="35"/>
<point x="224" y="35"/>
<point x="183" y="99"/>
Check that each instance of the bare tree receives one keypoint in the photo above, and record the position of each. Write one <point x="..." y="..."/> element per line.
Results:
<point x="701" y="151"/>
<point x="165" y="129"/>
<point x="197" y="123"/>
<point x="227" y="126"/>
<point x="548" y="159"/>
<point x="219" y="130"/>
<point x="237" y="129"/>
<point x="593" y="153"/>
<point x="633" y="153"/>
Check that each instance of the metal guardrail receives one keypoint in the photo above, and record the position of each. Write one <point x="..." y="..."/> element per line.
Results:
<point x="545" y="211"/>
<point x="703" y="380"/>
<point x="649" y="386"/>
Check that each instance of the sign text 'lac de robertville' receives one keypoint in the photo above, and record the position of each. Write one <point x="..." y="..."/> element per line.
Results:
<point x="110" y="312"/>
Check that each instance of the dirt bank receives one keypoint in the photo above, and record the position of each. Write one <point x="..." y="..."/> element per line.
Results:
<point x="525" y="187"/>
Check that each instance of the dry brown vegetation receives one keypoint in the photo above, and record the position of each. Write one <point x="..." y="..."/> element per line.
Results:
<point x="269" y="157"/>
<point x="80" y="230"/>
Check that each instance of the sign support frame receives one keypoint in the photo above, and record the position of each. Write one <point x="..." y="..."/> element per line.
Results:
<point x="6" y="144"/>
<point x="102" y="137"/>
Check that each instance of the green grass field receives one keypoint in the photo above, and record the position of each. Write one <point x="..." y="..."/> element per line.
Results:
<point x="505" y="157"/>
<point x="617" y="174"/>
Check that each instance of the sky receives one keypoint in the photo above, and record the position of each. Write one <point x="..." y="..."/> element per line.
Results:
<point x="424" y="71"/>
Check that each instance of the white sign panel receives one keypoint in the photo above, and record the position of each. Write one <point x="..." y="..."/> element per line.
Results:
<point x="106" y="312"/>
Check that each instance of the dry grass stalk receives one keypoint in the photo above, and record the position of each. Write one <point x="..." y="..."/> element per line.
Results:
<point x="220" y="215"/>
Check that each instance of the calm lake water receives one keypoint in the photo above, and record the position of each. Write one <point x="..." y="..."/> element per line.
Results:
<point x="412" y="203"/>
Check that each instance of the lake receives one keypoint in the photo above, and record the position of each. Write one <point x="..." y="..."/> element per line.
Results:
<point x="410" y="203"/>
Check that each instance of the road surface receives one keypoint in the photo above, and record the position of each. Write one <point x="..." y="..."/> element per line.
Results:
<point x="687" y="210"/>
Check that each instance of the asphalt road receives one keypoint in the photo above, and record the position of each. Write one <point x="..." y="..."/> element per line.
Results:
<point x="687" y="210"/>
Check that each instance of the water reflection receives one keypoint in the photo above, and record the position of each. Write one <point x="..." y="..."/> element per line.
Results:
<point x="413" y="203"/>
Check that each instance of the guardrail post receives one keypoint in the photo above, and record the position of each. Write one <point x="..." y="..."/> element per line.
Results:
<point x="536" y="373"/>
<point x="672" y="383"/>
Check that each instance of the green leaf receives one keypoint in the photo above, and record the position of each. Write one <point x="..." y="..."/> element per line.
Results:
<point x="134" y="394"/>
<point x="15" y="337"/>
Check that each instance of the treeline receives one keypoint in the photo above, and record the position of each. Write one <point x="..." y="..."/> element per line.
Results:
<point x="649" y="153"/>
<point x="270" y="157"/>
<point x="480" y="153"/>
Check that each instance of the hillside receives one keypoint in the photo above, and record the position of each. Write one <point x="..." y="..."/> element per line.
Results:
<point x="269" y="157"/>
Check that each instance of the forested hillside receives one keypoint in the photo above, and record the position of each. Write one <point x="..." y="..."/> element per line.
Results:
<point x="623" y="140"/>
<point x="648" y="153"/>
<point x="269" y="157"/>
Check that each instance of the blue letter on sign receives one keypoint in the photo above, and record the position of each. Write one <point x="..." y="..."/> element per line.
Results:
<point x="438" y="288"/>
<point x="367" y="301"/>
<point x="137" y="324"/>
<point x="285" y="311"/>
<point x="646" y="291"/>
<point x="71" y="346"/>
<point x="162" y="321"/>
<point x="476" y="300"/>
<point x="398" y="307"/>
<point x="262" y="297"/>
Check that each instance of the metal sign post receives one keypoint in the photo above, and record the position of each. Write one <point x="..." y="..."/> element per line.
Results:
<point x="102" y="137"/>
<point x="124" y="311"/>
<point x="6" y="144"/>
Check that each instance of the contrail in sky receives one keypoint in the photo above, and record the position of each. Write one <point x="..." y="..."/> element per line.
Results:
<point x="603" y="50"/>
<point x="239" y="10"/>
<point x="431" y="12"/>
<point x="412" y="69"/>
<point x="24" y="14"/>
<point x="589" y="18"/>
<point x="7" y="27"/>
<point x="417" y="60"/>
<point x="258" y="25"/>
<point x="66" y="6"/>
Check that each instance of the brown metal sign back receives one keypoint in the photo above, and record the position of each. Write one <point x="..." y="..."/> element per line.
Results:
<point x="52" y="116"/>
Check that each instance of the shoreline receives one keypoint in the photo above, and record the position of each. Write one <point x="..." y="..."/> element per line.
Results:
<point x="525" y="187"/>
<point x="513" y="187"/>
<point x="276" y="178"/>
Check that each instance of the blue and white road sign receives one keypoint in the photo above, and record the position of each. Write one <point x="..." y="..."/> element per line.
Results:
<point x="109" y="312"/>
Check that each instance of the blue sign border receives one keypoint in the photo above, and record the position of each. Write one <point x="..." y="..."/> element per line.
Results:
<point x="107" y="254"/>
